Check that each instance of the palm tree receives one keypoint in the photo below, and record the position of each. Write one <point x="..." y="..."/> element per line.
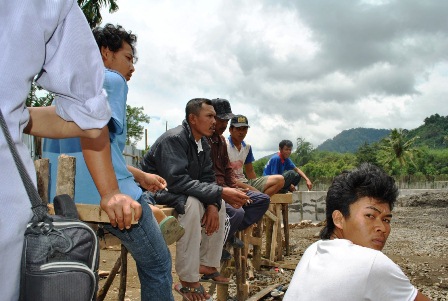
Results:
<point x="303" y="151"/>
<point x="91" y="9"/>
<point x="396" y="148"/>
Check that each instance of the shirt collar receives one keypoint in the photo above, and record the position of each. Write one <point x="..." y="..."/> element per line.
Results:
<point x="199" y="144"/>
<point x="281" y="158"/>
<point x="233" y="145"/>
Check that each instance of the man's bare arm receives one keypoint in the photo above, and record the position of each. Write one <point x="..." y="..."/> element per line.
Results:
<point x="242" y="185"/>
<point x="98" y="160"/>
<point x="303" y="175"/>
<point x="250" y="172"/>
<point x="44" y="122"/>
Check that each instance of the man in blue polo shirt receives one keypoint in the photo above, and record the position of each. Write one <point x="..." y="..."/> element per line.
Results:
<point x="281" y="164"/>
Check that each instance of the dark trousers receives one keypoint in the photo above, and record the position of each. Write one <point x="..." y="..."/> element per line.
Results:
<point x="249" y="214"/>
<point x="291" y="177"/>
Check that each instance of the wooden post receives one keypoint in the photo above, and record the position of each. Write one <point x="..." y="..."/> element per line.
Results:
<point x="103" y="291"/>
<point x="123" y="273"/>
<point x="240" y="278"/>
<point x="257" y="248"/>
<point x="270" y="222"/>
<point x="65" y="182"/>
<point x="286" y="227"/>
<point x="222" y="290"/>
<point x="244" y="237"/>
<point x="279" y="249"/>
<point x="43" y="178"/>
<point x="273" y="247"/>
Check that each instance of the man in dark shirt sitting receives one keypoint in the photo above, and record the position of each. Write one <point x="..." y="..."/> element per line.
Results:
<point x="182" y="157"/>
<point x="253" y="211"/>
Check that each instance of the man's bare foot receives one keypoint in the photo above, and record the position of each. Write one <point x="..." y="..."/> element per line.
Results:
<point x="192" y="291"/>
<point x="292" y="188"/>
<point x="211" y="273"/>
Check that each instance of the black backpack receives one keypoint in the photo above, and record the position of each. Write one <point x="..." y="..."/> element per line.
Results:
<point x="60" y="254"/>
<point x="60" y="258"/>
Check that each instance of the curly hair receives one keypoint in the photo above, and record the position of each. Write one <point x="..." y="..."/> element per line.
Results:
<point x="367" y="180"/>
<point x="112" y="37"/>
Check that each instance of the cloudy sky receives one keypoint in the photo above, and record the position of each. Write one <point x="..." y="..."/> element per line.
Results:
<point x="301" y="68"/>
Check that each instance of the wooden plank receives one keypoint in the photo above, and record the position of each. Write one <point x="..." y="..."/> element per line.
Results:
<point x="270" y="215"/>
<point x="273" y="249"/>
<point x="263" y="292"/>
<point x="123" y="273"/>
<point x="278" y="211"/>
<point x="250" y="272"/>
<point x="43" y="178"/>
<point x="257" y="247"/>
<point x="103" y="291"/>
<point x="286" y="227"/>
<point x="281" y="198"/>
<point x="269" y="263"/>
<point x="289" y="266"/>
<point x="94" y="213"/>
<point x="65" y="181"/>
<point x="240" y="279"/>
<point x="255" y="241"/>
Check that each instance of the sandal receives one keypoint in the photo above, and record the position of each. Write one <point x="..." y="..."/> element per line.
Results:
<point x="185" y="290"/>
<point x="210" y="278"/>
<point x="171" y="229"/>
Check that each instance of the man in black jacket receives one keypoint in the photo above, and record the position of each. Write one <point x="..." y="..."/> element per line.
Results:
<point x="182" y="157"/>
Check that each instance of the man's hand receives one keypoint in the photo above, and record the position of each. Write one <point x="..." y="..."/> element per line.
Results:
<point x="235" y="197"/>
<point x="119" y="209"/>
<point x="245" y="186"/>
<point x="309" y="184"/>
<point x="149" y="181"/>
<point x="210" y="220"/>
<point x="152" y="182"/>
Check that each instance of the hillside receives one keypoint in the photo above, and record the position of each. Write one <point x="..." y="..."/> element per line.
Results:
<point x="433" y="132"/>
<point x="348" y="141"/>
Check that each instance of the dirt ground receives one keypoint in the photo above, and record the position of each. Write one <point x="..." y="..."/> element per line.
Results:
<point x="418" y="244"/>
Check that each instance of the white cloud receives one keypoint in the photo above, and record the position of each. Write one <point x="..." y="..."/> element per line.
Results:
<point x="305" y="68"/>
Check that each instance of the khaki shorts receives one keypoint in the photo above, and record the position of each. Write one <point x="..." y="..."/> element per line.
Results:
<point x="258" y="183"/>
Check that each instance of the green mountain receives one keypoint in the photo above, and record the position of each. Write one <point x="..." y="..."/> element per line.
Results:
<point x="348" y="141"/>
<point x="433" y="133"/>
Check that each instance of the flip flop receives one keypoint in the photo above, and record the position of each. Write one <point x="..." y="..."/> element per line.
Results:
<point x="171" y="229"/>
<point x="209" y="278"/>
<point x="278" y="291"/>
<point x="185" y="290"/>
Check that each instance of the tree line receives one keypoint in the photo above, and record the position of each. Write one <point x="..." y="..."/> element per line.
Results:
<point x="399" y="154"/>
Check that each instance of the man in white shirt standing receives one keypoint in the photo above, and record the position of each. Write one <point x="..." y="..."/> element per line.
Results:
<point x="50" y="39"/>
<point x="347" y="263"/>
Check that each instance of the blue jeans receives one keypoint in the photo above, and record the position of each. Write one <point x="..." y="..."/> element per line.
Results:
<point x="249" y="214"/>
<point x="148" y="248"/>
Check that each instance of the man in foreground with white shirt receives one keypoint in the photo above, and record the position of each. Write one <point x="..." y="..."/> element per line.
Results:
<point x="347" y="263"/>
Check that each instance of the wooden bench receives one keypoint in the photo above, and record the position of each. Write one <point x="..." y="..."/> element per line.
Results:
<point x="278" y="213"/>
<point x="244" y="267"/>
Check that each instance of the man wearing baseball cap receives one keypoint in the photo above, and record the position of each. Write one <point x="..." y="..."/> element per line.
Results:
<point x="240" y="155"/>
<point x="253" y="211"/>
